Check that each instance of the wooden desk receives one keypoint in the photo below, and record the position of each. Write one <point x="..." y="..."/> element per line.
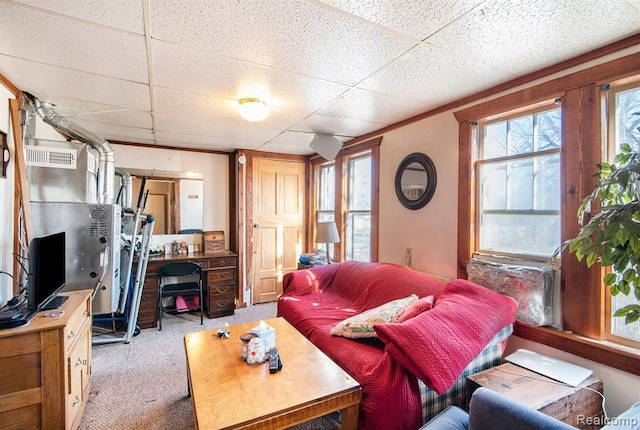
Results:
<point x="219" y="283"/>
<point x="550" y="397"/>
<point x="228" y="393"/>
<point x="45" y="368"/>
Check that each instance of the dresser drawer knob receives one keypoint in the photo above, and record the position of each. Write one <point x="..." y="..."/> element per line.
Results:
<point x="222" y="289"/>
<point x="76" y="401"/>
<point x="223" y="304"/>
<point x="70" y="335"/>
<point x="222" y="262"/>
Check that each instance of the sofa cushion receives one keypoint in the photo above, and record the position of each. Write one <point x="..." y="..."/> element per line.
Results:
<point x="361" y="325"/>
<point x="367" y="285"/>
<point x="437" y="345"/>
<point x="423" y="304"/>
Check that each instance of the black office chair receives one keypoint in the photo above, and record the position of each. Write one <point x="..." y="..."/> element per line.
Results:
<point x="187" y="287"/>
<point x="191" y="231"/>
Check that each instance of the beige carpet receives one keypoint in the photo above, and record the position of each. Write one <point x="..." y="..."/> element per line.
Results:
<point x="143" y="384"/>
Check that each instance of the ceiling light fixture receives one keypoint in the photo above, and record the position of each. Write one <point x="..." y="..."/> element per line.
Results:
<point x="253" y="109"/>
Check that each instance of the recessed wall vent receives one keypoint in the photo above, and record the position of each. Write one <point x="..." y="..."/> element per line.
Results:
<point x="59" y="158"/>
<point x="99" y="227"/>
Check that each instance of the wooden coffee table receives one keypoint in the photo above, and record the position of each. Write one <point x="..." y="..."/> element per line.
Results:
<point x="227" y="393"/>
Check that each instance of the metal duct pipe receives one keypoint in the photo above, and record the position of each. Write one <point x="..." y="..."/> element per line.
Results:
<point x="127" y="188"/>
<point x="106" y="166"/>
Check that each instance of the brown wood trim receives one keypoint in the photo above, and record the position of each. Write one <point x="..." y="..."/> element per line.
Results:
<point x="466" y="191"/>
<point x="9" y="85"/>
<point x="236" y="208"/>
<point x="581" y="143"/>
<point x="248" y="244"/>
<point x="341" y="203"/>
<point x="375" y="201"/>
<point x="309" y="205"/>
<point x="602" y="73"/>
<point x="559" y="67"/>
<point x="22" y="186"/>
<point x="616" y="356"/>
<point x="277" y="156"/>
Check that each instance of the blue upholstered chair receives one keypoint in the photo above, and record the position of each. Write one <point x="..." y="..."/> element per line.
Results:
<point x="489" y="410"/>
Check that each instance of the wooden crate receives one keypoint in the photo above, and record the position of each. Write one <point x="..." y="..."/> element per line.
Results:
<point x="213" y="241"/>
<point x="565" y="403"/>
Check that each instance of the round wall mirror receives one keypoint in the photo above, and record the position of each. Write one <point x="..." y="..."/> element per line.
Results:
<point x="415" y="181"/>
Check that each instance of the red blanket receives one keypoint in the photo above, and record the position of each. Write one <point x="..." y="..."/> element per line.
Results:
<point x="438" y="344"/>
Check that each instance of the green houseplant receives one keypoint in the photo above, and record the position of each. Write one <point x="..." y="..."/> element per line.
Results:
<point x="612" y="236"/>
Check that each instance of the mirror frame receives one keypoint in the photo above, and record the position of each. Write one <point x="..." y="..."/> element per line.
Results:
<point x="430" y="189"/>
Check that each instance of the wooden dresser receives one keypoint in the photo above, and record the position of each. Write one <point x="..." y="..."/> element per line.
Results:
<point x="219" y="283"/>
<point x="45" y="368"/>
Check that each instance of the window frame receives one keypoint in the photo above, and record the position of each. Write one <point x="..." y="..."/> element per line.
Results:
<point x="347" y="153"/>
<point x="478" y="131"/>
<point x="609" y="112"/>
<point x="583" y="294"/>
<point x="348" y="247"/>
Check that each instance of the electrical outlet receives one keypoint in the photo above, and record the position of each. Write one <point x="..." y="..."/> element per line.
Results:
<point x="408" y="253"/>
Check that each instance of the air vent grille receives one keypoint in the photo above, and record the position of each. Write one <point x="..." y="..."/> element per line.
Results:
<point x="99" y="227"/>
<point x="60" y="158"/>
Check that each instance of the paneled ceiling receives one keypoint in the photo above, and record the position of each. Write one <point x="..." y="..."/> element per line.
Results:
<point x="171" y="72"/>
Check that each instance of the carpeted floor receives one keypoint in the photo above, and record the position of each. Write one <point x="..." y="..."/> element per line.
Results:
<point x="143" y="384"/>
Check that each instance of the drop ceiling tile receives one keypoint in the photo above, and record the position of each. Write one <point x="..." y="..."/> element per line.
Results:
<point x="635" y="4"/>
<point x="198" y="71"/>
<point x="434" y="77"/>
<point x="174" y="102"/>
<point x="252" y="134"/>
<point x="371" y="106"/>
<point x="81" y="46"/>
<point x="293" y="138"/>
<point x="341" y="127"/>
<point x="416" y="18"/>
<point x="536" y="34"/>
<point x="292" y="35"/>
<point x="122" y="14"/>
<point x="195" y="141"/>
<point x="115" y="132"/>
<point x="287" y="149"/>
<point x="82" y="110"/>
<point x="49" y="82"/>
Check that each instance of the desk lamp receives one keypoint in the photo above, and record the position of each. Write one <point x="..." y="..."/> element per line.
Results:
<point x="327" y="232"/>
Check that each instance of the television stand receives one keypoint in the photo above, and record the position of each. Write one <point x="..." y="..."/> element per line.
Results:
<point x="54" y="303"/>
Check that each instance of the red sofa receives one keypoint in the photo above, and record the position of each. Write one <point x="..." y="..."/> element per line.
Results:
<point x="434" y="346"/>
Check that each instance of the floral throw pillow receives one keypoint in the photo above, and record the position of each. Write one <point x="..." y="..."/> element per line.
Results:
<point x="361" y="325"/>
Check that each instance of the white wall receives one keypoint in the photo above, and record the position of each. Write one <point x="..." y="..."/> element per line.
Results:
<point x="191" y="203"/>
<point x="431" y="232"/>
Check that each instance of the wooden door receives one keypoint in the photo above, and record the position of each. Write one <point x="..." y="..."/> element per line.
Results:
<point x="278" y="216"/>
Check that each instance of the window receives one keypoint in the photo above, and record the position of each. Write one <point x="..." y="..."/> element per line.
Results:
<point x="583" y="296"/>
<point x="358" y="209"/>
<point x="345" y="191"/>
<point x="326" y="198"/>
<point x="519" y="184"/>
<point x="624" y="107"/>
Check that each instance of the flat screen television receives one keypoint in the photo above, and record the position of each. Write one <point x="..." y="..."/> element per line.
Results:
<point x="46" y="272"/>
